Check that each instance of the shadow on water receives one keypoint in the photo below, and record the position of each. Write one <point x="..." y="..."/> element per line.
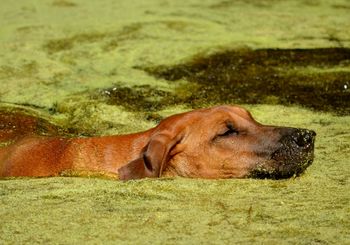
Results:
<point x="313" y="78"/>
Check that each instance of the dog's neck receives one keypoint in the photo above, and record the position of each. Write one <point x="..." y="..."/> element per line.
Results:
<point x="105" y="154"/>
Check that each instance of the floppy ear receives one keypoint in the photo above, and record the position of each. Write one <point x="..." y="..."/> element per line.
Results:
<point x="152" y="161"/>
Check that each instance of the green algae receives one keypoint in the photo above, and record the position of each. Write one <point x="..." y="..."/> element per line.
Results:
<point x="81" y="48"/>
<point x="92" y="45"/>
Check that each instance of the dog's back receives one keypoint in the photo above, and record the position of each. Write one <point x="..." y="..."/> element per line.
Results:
<point x="15" y="125"/>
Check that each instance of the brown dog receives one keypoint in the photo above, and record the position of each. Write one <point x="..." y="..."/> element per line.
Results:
<point x="219" y="142"/>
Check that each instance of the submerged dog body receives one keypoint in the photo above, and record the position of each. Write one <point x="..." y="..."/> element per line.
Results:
<point x="218" y="142"/>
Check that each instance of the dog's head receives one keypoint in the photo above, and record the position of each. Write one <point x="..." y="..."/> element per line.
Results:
<point x="222" y="142"/>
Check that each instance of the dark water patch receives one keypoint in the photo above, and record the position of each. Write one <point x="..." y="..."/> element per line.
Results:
<point x="27" y="69"/>
<point x="341" y="6"/>
<point x="314" y="78"/>
<point x="256" y="3"/>
<point x="107" y="40"/>
<point x="63" y="44"/>
<point x="63" y="3"/>
<point x="138" y="98"/>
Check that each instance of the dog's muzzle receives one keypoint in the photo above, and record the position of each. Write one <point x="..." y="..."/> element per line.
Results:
<point x="294" y="153"/>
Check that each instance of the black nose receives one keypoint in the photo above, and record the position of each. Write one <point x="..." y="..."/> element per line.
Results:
<point x="303" y="137"/>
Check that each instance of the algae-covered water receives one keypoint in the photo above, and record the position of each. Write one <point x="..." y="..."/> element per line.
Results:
<point x="108" y="67"/>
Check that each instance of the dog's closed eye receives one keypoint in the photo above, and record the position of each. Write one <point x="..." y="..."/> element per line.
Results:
<point x="229" y="131"/>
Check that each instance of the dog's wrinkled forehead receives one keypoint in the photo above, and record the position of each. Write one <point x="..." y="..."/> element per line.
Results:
<point x="208" y="116"/>
<point x="227" y="113"/>
<point x="212" y="118"/>
<point x="237" y="111"/>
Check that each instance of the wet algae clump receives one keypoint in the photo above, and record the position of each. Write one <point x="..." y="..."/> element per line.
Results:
<point x="314" y="78"/>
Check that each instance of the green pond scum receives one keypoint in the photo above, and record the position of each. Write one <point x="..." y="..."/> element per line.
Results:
<point x="87" y="68"/>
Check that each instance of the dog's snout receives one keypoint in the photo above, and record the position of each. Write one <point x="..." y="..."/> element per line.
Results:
<point x="303" y="137"/>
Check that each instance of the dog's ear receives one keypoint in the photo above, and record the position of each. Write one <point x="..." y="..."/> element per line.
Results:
<point x="153" y="159"/>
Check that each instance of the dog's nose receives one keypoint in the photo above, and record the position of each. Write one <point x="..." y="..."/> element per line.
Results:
<point x="303" y="137"/>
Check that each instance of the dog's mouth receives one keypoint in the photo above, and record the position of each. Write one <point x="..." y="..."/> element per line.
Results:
<point x="291" y="158"/>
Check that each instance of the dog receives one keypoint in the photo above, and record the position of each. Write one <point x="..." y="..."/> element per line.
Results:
<point x="213" y="143"/>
